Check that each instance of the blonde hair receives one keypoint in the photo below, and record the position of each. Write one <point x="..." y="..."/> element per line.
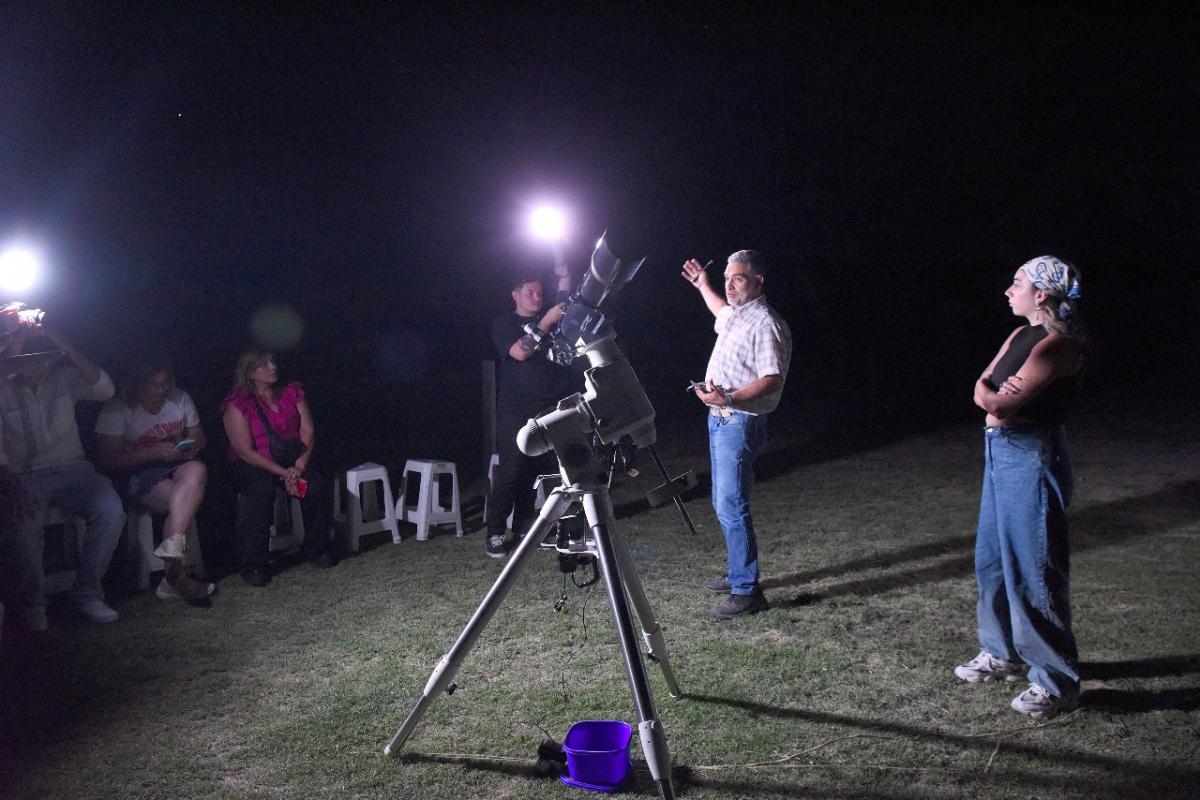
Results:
<point x="247" y="362"/>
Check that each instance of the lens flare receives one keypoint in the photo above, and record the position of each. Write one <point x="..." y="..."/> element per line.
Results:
<point x="277" y="327"/>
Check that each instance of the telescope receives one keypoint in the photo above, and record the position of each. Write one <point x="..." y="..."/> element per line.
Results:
<point x="592" y="434"/>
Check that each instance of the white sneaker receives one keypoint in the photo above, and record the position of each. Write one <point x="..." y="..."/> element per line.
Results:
<point x="98" y="611"/>
<point x="172" y="547"/>
<point x="1038" y="703"/>
<point x="184" y="589"/>
<point x="32" y="619"/>
<point x="985" y="668"/>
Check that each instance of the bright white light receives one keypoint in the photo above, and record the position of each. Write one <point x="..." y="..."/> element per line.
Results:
<point x="548" y="223"/>
<point x="18" y="269"/>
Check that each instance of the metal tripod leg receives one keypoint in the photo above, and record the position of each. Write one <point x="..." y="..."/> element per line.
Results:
<point x="448" y="667"/>
<point x="650" y="729"/>
<point x="656" y="645"/>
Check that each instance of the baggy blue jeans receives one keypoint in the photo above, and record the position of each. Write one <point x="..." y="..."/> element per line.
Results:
<point x="733" y="444"/>
<point x="83" y="491"/>
<point x="1022" y="562"/>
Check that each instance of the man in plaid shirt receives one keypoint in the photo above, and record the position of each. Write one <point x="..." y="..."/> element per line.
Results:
<point x="742" y="386"/>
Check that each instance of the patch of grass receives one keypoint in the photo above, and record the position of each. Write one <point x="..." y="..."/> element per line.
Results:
<point x="292" y="691"/>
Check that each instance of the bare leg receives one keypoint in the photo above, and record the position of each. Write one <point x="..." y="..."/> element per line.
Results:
<point x="178" y="497"/>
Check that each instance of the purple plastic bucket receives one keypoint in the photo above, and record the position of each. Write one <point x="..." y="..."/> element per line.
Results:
<point x="597" y="754"/>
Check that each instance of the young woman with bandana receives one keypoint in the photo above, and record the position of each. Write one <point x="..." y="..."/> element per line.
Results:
<point x="1021" y="546"/>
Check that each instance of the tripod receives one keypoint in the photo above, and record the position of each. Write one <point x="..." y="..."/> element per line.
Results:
<point x="620" y="579"/>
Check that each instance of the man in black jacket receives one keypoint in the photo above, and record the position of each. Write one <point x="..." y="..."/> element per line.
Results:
<point x="529" y="384"/>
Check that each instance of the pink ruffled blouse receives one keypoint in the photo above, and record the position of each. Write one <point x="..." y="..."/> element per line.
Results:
<point x="285" y="421"/>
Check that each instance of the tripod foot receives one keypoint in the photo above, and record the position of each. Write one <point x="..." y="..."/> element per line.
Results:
<point x="658" y="759"/>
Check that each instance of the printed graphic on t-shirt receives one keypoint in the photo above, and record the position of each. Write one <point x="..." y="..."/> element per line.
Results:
<point x="163" y="431"/>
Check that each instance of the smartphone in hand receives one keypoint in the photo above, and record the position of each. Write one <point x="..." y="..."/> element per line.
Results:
<point x="184" y="444"/>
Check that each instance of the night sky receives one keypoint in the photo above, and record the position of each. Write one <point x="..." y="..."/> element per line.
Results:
<point x="184" y="165"/>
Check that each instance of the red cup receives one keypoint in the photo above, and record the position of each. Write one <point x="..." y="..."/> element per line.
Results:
<point x="301" y="487"/>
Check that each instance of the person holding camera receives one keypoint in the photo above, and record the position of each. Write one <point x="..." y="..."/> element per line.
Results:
<point x="529" y="383"/>
<point x="41" y="443"/>
<point x="271" y="437"/>
<point x="742" y="385"/>
<point x="1022" y="554"/>
<point x="152" y="434"/>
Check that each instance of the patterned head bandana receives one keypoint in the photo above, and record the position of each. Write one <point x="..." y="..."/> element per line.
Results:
<point x="1052" y="277"/>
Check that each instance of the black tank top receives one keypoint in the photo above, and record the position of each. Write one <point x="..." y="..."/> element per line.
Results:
<point x="1051" y="406"/>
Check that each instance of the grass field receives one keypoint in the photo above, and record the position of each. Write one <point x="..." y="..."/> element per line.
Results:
<point x="842" y="690"/>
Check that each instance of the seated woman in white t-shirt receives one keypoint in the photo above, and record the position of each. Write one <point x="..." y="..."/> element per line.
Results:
<point x="152" y="433"/>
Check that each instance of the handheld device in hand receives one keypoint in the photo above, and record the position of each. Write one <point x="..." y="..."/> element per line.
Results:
<point x="694" y="385"/>
<point x="184" y="444"/>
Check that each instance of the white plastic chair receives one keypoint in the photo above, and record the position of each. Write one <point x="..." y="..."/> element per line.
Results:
<point x="428" y="510"/>
<point x="356" y="526"/>
<point x="63" y="579"/>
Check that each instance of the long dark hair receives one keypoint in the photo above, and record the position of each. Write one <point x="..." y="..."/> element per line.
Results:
<point x="1060" y="314"/>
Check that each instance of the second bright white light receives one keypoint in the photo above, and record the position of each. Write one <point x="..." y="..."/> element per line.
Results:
<point x="548" y="223"/>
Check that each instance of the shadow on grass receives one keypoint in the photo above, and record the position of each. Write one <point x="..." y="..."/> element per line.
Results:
<point x="1186" y="699"/>
<point x="501" y="767"/>
<point x="1101" y="525"/>
<point x="1161" y="666"/>
<point x="879" y="561"/>
<point x="1166" y="779"/>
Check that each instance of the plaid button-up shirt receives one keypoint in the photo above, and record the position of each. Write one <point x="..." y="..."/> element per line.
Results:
<point x="753" y="342"/>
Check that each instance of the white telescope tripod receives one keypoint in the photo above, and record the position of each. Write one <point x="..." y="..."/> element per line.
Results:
<point x="583" y="431"/>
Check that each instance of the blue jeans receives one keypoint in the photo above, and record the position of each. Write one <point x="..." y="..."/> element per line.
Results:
<point x="1022" y="562"/>
<point x="83" y="491"/>
<point x="733" y="444"/>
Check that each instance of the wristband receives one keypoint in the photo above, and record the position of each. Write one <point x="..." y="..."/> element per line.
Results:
<point x="533" y="330"/>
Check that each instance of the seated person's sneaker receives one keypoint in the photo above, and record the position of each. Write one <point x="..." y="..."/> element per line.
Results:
<point x="985" y="668"/>
<point x="184" y="588"/>
<point x="496" y="547"/>
<point x="741" y="605"/>
<point x="171" y="547"/>
<point x="97" y="611"/>
<point x="1038" y="703"/>
<point x="718" y="585"/>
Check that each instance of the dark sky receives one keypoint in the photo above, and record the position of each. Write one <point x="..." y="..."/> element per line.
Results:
<point x="367" y="164"/>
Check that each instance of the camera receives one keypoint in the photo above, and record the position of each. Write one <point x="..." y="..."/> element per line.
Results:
<point x="15" y="316"/>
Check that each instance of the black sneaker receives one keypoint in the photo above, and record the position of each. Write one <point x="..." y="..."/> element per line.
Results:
<point x="496" y="547"/>
<point x="718" y="585"/>
<point x="740" y="605"/>
<point x="254" y="576"/>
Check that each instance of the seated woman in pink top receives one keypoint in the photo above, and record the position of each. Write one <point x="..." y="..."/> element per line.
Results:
<point x="271" y="438"/>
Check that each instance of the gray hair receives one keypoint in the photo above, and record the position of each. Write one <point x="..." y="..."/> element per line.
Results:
<point x="753" y="260"/>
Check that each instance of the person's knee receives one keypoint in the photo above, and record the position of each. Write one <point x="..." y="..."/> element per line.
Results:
<point x="193" y="474"/>
<point x="108" y="508"/>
